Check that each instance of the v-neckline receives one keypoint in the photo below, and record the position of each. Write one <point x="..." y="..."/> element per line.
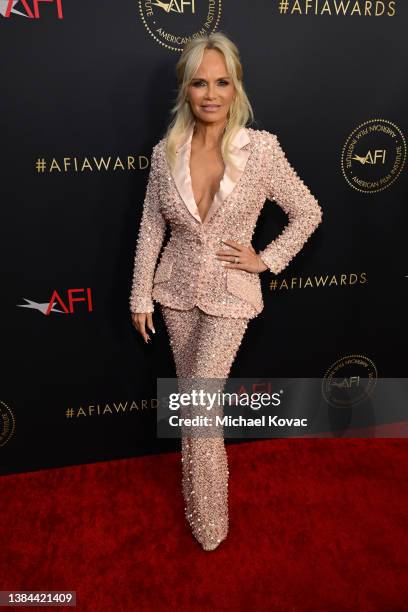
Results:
<point x="233" y="171"/>
<point x="190" y="180"/>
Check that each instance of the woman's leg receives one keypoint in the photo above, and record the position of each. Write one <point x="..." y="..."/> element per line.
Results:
<point x="205" y="349"/>
<point x="182" y="327"/>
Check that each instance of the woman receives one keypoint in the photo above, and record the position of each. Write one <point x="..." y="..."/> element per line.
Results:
<point x="209" y="179"/>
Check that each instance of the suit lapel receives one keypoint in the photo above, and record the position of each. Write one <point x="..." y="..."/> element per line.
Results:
<point x="232" y="173"/>
<point x="181" y="174"/>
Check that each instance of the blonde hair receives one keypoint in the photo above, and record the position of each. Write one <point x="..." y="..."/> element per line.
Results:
<point x="190" y="59"/>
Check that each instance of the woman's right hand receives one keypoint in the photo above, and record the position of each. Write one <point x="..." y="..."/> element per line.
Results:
<point x="141" y="320"/>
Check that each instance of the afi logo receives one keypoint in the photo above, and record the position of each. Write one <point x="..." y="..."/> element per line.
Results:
<point x="8" y="6"/>
<point x="372" y="157"/>
<point x="176" y="6"/>
<point x="67" y="306"/>
<point x="346" y="383"/>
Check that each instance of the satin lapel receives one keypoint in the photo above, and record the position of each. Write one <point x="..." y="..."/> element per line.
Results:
<point x="232" y="172"/>
<point x="182" y="177"/>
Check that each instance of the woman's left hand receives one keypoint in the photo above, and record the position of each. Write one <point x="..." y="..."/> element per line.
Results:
<point x="248" y="259"/>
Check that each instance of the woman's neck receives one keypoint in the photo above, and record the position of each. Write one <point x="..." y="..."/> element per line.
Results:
<point x="208" y="135"/>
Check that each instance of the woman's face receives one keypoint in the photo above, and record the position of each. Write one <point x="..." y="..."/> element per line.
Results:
<point x="211" y="89"/>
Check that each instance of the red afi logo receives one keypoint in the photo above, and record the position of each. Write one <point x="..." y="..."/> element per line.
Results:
<point x="33" y="13"/>
<point x="69" y="308"/>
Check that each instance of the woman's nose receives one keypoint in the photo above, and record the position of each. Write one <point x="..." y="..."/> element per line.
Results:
<point x="211" y="91"/>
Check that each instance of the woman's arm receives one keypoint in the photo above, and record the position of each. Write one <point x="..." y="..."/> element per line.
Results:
<point x="150" y="239"/>
<point x="283" y="185"/>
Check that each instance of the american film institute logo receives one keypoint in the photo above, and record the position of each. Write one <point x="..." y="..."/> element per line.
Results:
<point x="373" y="155"/>
<point x="172" y="23"/>
<point x="7" y="423"/>
<point x="349" y="381"/>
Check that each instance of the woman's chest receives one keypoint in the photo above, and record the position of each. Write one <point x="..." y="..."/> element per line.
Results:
<point x="206" y="172"/>
<point x="240" y="191"/>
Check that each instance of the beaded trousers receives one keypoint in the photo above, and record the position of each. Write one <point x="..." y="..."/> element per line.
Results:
<point x="204" y="347"/>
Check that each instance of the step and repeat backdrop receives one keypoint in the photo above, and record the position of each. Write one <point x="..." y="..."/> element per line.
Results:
<point x="86" y="92"/>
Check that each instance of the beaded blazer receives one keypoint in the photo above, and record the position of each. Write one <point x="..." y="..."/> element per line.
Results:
<point x="188" y="273"/>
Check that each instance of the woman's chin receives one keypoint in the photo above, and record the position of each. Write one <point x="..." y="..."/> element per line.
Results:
<point x="210" y="116"/>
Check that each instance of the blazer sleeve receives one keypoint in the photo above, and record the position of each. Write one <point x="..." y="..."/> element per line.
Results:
<point x="283" y="185"/>
<point x="149" y="242"/>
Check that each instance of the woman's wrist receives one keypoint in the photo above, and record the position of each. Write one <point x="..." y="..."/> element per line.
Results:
<point x="261" y="265"/>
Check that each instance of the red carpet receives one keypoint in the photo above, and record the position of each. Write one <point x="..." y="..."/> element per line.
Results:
<point x="315" y="524"/>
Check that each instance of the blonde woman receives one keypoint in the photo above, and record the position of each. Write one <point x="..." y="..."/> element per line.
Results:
<point x="209" y="178"/>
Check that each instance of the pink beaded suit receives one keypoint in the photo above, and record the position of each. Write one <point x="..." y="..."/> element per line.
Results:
<point x="207" y="307"/>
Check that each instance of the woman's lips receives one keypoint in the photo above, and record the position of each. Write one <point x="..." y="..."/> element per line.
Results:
<point x="211" y="107"/>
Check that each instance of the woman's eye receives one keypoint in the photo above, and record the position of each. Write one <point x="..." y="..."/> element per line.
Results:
<point x="200" y="83"/>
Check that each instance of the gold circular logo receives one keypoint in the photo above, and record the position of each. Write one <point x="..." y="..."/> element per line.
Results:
<point x="349" y="381"/>
<point x="7" y="423"/>
<point x="173" y="23"/>
<point x="373" y="155"/>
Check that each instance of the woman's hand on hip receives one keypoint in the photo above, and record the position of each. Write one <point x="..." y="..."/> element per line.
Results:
<point x="248" y="259"/>
<point x="141" y="320"/>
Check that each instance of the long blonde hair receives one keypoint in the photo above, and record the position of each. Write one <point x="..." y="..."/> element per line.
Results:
<point x="190" y="59"/>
